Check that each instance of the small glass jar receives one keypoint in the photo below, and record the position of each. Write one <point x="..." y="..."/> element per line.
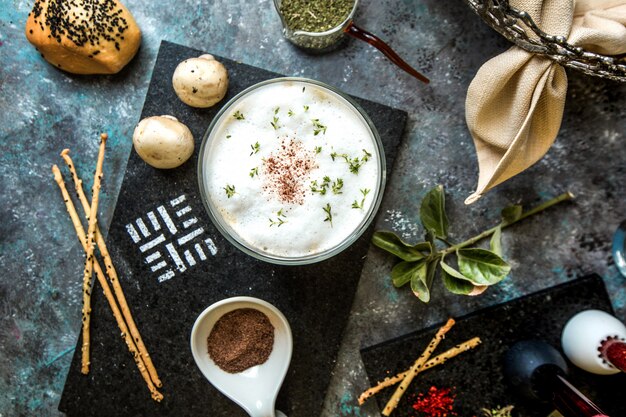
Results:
<point x="316" y="42"/>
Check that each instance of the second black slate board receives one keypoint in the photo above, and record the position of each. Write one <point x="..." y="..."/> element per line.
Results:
<point x="477" y="375"/>
<point x="316" y="299"/>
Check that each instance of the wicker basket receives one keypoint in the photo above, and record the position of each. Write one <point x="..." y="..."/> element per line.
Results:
<point x="513" y="24"/>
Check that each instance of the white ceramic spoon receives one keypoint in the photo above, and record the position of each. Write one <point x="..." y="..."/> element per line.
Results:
<point x="256" y="388"/>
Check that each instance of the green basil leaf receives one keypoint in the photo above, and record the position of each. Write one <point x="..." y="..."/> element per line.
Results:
<point x="391" y="243"/>
<point x="496" y="241"/>
<point x="420" y="284"/>
<point x="481" y="266"/>
<point x="457" y="283"/>
<point x="511" y="213"/>
<point x="403" y="272"/>
<point x="433" y="212"/>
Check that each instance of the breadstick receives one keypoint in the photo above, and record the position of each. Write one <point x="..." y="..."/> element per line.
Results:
<point x="395" y="398"/>
<point x="88" y="271"/>
<point x="437" y="360"/>
<point x="112" y="273"/>
<point x="80" y="232"/>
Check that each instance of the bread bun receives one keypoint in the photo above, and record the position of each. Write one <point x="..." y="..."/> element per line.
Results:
<point x="84" y="36"/>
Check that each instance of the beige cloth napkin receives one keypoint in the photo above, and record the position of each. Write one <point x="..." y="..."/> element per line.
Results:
<point x="515" y="103"/>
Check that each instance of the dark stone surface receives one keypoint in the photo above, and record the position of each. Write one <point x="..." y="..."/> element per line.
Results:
<point x="533" y="317"/>
<point x="315" y="299"/>
<point x="43" y="110"/>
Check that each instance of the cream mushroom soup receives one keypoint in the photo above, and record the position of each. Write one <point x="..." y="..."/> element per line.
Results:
<point x="292" y="168"/>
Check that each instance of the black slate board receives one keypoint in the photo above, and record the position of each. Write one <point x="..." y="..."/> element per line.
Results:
<point x="316" y="299"/>
<point x="477" y="375"/>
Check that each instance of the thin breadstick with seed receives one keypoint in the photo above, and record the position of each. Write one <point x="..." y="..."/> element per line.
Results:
<point x="419" y="363"/>
<point x="112" y="273"/>
<point x="437" y="360"/>
<point x="80" y="232"/>
<point x="88" y="271"/>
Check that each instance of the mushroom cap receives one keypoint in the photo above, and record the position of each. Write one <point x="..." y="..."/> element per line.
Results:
<point x="163" y="141"/>
<point x="200" y="82"/>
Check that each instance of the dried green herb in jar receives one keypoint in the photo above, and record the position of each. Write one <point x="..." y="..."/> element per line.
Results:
<point x="315" y="15"/>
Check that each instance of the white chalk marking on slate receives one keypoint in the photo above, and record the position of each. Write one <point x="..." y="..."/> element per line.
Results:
<point x="178" y="200"/>
<point x="189" y="258"/>
<point x="211" y="246"/>
<point x="200" y="251"/>
<point x="155" y="222"/>
<point x="142" y="226"/>
<point x="167" y="219"/>
<point x="158" y="266"/>
<point x="169" y="274"/>
<point x="190" y="236"/>
<point x="176" y="257"/>
<point x="153" y="257"/>
<point x="152" y="243"/>
<point x="183" y="211"/>
<point x="133" y="233"/>
<point x="189" y="222"/>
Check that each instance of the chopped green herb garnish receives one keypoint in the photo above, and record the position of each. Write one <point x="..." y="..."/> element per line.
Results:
<point x="320" y="187"/>
<point x="279" y="221"/>
<point x="228" y="136"/>
<point x="290" y="113"/>
<point x="318" y="127"/>
<point x="337" y="186"/>
<point x="238" y="115"/>
<point x="254" y="171"/>
<point x="305" y="107"/>
<point x="318" y="149"/>
<point x="329" y="215"/>
<point x="274" y="123"/>
<point x="303" y="88"/>
<point x="230" y="190"/>
<point x="356" y="204"/>
<point x="354" y="163"/>
<point x="255" y="148"/>
<point x="276" y="110"/>
<point x="335" y="155"/>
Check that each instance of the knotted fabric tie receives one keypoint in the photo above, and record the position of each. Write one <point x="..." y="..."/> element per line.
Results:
<point x="514" y="105"/>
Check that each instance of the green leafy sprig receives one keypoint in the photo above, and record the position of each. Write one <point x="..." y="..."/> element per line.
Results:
<point x="477" y="268"/>
<point x="238" y="115"/>
<point x="274" y="121"/>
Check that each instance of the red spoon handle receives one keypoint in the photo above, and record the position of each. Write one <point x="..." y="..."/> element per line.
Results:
<point x="377" y="43"/>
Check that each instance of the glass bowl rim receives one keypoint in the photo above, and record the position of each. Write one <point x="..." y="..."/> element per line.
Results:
<point x="232" y="236"/>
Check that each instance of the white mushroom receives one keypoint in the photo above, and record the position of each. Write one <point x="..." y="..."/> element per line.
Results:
<point x="200" y="82"/>
<point x="163" y="141"/>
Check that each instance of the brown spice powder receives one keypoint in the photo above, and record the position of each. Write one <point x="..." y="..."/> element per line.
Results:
<point x="287" y="170"/>
<point x="241" y="339"/>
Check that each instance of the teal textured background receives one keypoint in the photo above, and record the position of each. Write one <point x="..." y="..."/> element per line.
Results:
<point x="43" y="110"/>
